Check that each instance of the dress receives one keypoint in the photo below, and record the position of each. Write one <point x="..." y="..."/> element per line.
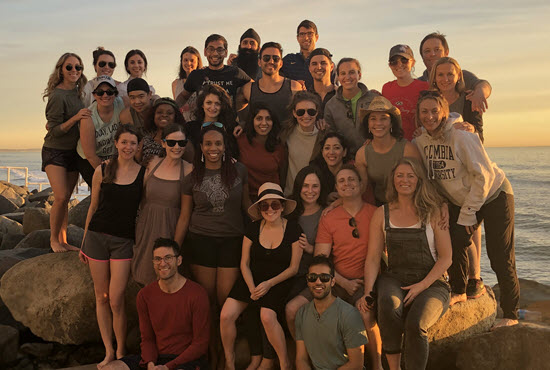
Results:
<point x="159" y="212"/>
<point x="266" y="264"/>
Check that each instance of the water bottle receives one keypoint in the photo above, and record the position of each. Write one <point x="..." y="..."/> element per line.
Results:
<point x="529" y="315"/>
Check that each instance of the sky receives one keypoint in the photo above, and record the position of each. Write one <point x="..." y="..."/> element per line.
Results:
<point x="505" y="42"/>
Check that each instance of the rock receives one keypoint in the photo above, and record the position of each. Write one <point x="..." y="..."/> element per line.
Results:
<point x="77" y="214"/>
<point x="35" y="219"/>
<point x="460" y="322"/>
<point x="8" y="226"/>
<point x="524" y="346"/>
<point x="7" y="206"/>
<point x="73" y="202"/>
<point x="8" y="258"/>
<point x="9" y="343"/>
<point x="53" y="295"/>
<point x="9" y="241"/>
<point x="41" y="238"/>
<point x="21" y="190"/>
<point x="534" y="296"/>
<point x="39" y="350"/>
<point x="16" y="216"/>
<point x="41" y="195"/>
<point x="10" y="194"/>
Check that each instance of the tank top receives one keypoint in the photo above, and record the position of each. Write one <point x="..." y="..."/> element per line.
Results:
<point x="277" y="101"/>
<point x="117" y="209"/>
<point x="379" y="166"/>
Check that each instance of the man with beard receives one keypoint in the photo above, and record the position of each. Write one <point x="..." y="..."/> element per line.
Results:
<point x="329" y="332"/>
<point x="173" y="317"/>
<point x="247" y="57"/>
<point x="272" y="89"/>
<point x="321" y="68"/>
<point x="228" y="77"/>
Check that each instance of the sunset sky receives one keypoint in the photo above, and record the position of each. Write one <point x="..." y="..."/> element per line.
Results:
<point x="505" y="42"/>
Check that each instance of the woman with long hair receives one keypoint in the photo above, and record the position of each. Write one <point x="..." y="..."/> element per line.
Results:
<point x="381" y="125"/>
<point x="477" y="190"/>
<point x="190" y="59"/>
<point x="109" y="237"/>
<point x="413" y="293"/>
<point x="161" y="211"/>
<point x="270" y="259"/>
<point x="259" y="148"/>
<point x="135" y="64"/>
<point x="64" y="111"/>
<point x="403" y="92"/>
<point x="104" y="63"/>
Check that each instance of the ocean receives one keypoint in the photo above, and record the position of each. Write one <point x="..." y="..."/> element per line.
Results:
<point x="528" y="169"/>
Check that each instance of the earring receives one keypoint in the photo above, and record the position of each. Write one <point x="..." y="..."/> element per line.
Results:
<point x="202" y="158"/>
<point x="223" y="157"/>
<point x="391" y="130"/>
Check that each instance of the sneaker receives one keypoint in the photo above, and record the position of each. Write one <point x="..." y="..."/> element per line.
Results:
<point x="475" y="288"/>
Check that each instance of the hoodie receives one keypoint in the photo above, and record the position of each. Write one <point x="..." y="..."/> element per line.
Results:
<point x="458" y="162"/>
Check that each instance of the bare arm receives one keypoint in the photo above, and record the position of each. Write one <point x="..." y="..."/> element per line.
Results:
<point x="292" y="270"/>
<point x="174" y="84"/>
<point x="87" y="140"/>
<point x="355" y="359"/>
<point x="243" y="96"/>
<point x="479" y="96"/>
<point x="182" y="98"/>
<point x="295" y="86"/>
<point x="302" y="358"/>
<point x="126" y="116"/>
<point x="184" y="218"/>
<point x="94" y="202"/>
<point x="361" y="165"/>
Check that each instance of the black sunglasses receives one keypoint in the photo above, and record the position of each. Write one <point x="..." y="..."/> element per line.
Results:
<point x="355" y="232"/>
<point x="78" y="67"/>
<point x="103" y="63"/>
<point x="324" y="277"/>
<point x="349" y="112"/>
<point x="102" y="92"/>
<point x="172" y="143"/>
<point x="266" y="58"/>
<point x="394" y="61"/>
<point x="311" y="112"/>
<point x="275" y="205"/>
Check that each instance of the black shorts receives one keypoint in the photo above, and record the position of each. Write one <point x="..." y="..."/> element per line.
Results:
<point x="213" y="251"/>
<point x="67" y="159"/>
<point x="132" y="361"/>
<point x="86" y="170"/>
<point x="105" y="247"/>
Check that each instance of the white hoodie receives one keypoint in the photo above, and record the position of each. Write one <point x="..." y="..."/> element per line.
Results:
<point x="458" y="162"/>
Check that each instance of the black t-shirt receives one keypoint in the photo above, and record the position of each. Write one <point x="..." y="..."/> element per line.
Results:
<point x="229" y="77"/>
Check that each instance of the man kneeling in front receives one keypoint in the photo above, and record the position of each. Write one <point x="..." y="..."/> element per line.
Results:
<point x="173" y="318"/>
<point x="330" y="333"/>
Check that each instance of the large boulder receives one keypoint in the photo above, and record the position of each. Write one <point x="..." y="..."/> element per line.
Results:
<point x="78" y="213"/>
<point x="10" y="193"/>
<point x="21" y="190"/>
<point x="41" y="238"/>
<point x="9" y="343"/>
<point x="16" y="216"/>
<point x="53" y="295"/>
<point x="7" y="206"/>
<point x="35" y="219"/>
<point x="9" y="241"/>
<point x="41" y="195"/>
<point x="524" y="346"/>
<point x="8" y="226"/>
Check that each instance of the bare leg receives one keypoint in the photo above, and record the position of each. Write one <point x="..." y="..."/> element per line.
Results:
<point x="224" y="282"/>
<point x="72" y="179"/>
<point x="120" y="271"/>
<point x="276" y="336"/>
<point x="394" y="361"/>
<point x="503" y="323"/>
<point x="291" y="310"/>
<point x="116" y="365"/>
<point x="59" y="180"/>
<point x="101" y="275"/>
<point x="230" y="312"/>
<point x="375" y="341"/>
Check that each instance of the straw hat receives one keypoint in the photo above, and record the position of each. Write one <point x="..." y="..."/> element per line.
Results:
<point x="270" y="190"/>
<point x="380" y="104"/>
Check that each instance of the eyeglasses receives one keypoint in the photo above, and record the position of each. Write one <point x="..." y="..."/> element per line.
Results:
<point x="103" y="92"/>
<point x="304" y="34"/>
<point x="324" y="277"/>
<point x="266" y="58"/>
<point x="167" y="259"/>
<point x="353" y="223"/>
<point x="275" y="205"/>
<point x="172" y="143"/>
<point x="103" y="63"/>
<point x="217" y="124"/>
<point x="219" y="50"/>
<point x="78" y="67"/>
<point x="349" y="112"/>
<point x="394" y="61"/>
<point x="311" y="112"/>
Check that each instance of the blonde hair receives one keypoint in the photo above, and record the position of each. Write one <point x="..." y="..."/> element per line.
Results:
<point x="460" y="86"/>
<point x="57" y="76"/>
<point x="443" y="105"/>
<point x="426" y="198"/>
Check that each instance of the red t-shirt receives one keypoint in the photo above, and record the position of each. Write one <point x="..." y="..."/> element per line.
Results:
<point x="173" y="323"/>
<point x="405" y="98"/>
<point x="348" y="253"/>
<point x="263" y="166"/>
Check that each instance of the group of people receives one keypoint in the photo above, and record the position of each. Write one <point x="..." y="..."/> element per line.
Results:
<point x="260" y="181"/>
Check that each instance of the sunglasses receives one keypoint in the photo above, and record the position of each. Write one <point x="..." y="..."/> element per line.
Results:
<point x="266" y="58"/>
<point x="311" y="112"/>
<point x="103" y="92"/>
<point x="394" y="61"/>
<point x="324" y="277"/>
<point x="275" y="205"/>
<point x="217" y="124"/>
<point x="172" y="143"/>
<point x="103" y="63"/>
<point x="78" y="67"/>
<point x="355" y="232"/>
<point x="349" y="112"/>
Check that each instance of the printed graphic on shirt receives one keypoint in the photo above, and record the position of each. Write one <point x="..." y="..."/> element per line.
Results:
<point x="215" y="192"/>
<point x="438" y="155"/>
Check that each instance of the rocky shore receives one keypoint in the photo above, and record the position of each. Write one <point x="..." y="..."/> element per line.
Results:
<point x="47" y="305"/>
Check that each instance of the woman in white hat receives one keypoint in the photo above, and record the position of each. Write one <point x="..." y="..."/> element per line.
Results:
<point x="270" y="258"/>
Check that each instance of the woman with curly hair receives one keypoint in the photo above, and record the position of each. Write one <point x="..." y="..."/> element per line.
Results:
<point x="64" y="111"/>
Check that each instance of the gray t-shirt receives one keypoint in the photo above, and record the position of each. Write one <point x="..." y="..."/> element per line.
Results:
<point x="217" y="211"/>
<point x="309" y="225"/>
<point x="327" y="336"/>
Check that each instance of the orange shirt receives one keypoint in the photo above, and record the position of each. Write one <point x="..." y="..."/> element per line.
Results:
<point x="348" y="253"/>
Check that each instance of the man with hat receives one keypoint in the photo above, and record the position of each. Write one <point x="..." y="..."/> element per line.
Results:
<point x="140" y="97"/>
<point x="321" y="68"/>
<point x="247" y="55"/>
